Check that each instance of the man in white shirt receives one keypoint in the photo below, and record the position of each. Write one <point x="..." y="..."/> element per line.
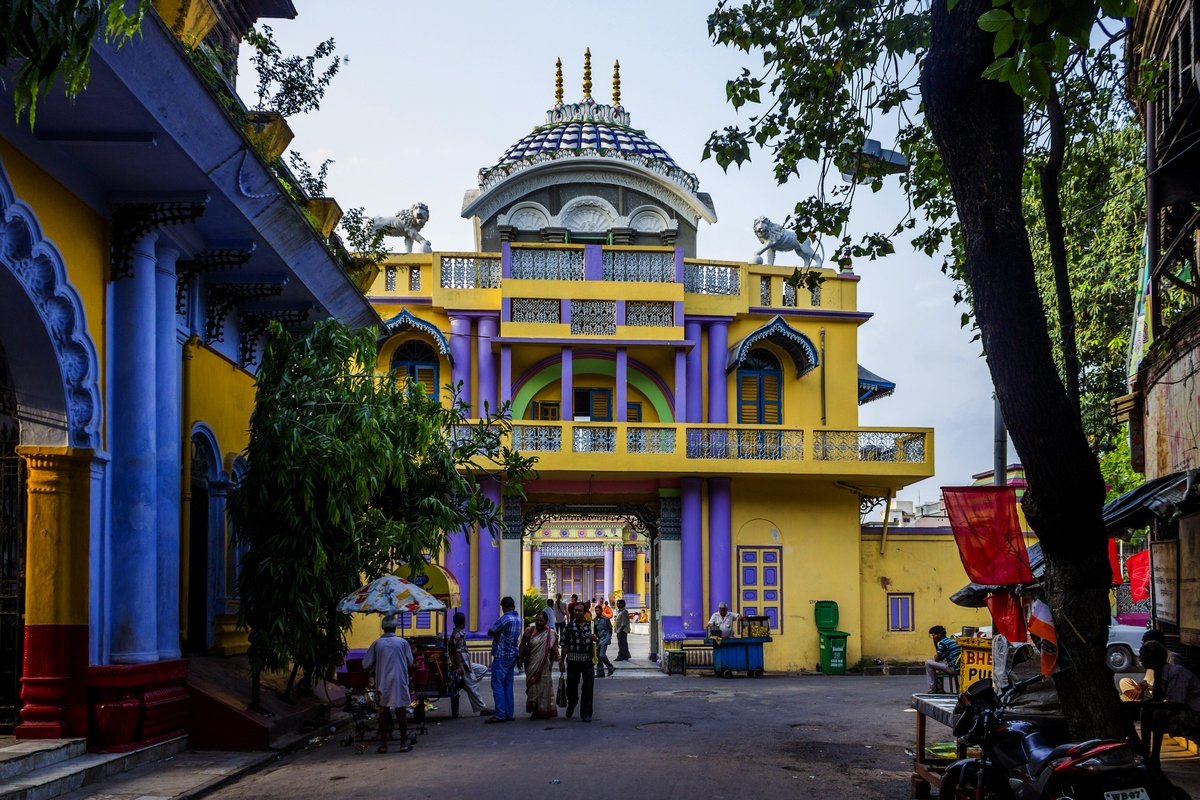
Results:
<point x="388" y="659"/>
<point x="721" y="623"/>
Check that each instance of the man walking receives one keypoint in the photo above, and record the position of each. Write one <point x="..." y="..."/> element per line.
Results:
<point x="560" y="615"/>
<point x="621" y="625"/>
<point x="462" y="663"/>
<point x="946" y="660"/>
<point x="576" y="658"/>
<point x="506" y="638"/>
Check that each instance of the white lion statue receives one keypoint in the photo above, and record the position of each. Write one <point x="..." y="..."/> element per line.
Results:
<point x="776" y="238"/>
<point x="407" y="223"/>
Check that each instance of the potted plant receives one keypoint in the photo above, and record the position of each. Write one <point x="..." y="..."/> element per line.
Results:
<point x="323" y="212"/>
<point x="366" y="249"/>
<point x="287" y="85"/>
<point x="189" y="20"/>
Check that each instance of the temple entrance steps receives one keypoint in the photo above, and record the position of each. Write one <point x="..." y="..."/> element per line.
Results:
<point x="33" y="769"/>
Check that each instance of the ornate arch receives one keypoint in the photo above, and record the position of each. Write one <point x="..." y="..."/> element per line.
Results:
<point x="39" y="267"/>
<point x="405" y="320"/>
<point x="527" y="216"/>
<point x="588" y="214"/>
<point x="549" y="370"/>
<point x="791" y="341"/>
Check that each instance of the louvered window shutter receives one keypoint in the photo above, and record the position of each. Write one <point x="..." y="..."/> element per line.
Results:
<point x="772" y="413"/>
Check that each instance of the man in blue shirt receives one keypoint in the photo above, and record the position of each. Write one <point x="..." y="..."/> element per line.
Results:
<point x="946" y="660"/>
<point x="506" y="637"/>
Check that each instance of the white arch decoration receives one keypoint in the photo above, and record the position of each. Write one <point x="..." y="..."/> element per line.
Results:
<point x="588" y="214"/>
<point x="527" y="216"/>
<point x="650" y="219"/>
<point x="39" y="267"/>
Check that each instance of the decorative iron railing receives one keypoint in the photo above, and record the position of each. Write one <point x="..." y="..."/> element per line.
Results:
<point x="414" y="279"/>
<point x="741" y="443"/>
<point x="712" y="279"/>
<point x="899" y="446"/>
<point x="547" y="264"/>
<point x="593" y="317"/>
<point x="643" y="267"/>
<point x="534" y="309"/>
<point x="537" y="438"/>
<point x="594" y="440"/>
<point x="650" y="440"/>
<point x="650" y="313"/>
<point x="470" y="272"/>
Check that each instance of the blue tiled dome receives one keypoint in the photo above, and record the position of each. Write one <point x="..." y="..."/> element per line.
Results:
<point x="578" y="135"/>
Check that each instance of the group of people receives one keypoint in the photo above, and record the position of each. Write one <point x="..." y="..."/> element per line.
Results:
<point x="578" y="645"/>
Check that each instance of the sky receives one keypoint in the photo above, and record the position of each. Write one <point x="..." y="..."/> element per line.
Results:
<point x="435" y="91"/>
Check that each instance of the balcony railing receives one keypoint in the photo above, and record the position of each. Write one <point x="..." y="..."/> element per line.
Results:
<point x="719" y="279"/>
<point x="638" y="266"/>
<point x="470" y="272"/>
<point x="547" y="264"/>
<point x="743" y="443"/>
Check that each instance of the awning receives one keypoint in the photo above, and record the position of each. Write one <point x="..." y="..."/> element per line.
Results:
<point x="405" y="319"/>
<point x="783" y="336"/>
<point x="871" y="386"/>
<point x="1158" y="498"/>
<point x="437" y="580"/>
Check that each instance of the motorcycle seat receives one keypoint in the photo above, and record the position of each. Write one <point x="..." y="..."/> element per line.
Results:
<point x="1040" y="749"/>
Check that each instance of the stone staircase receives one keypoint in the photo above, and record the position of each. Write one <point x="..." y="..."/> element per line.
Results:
<point x="42" y="769"/>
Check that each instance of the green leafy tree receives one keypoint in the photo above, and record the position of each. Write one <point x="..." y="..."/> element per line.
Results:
<point x="54" y="40"/>
<point x="350" y="473"/>
<point x="977" y="90"/>
<point x="290" y="85"/>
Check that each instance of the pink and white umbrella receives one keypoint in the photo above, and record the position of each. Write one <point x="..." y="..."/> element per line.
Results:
<point x="390" y="595"/>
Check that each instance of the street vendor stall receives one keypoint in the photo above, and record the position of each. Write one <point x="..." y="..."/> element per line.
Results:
<point x="744" y="652"/>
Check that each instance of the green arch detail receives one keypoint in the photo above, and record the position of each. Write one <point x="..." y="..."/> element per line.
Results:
<point x="592" y="366"/>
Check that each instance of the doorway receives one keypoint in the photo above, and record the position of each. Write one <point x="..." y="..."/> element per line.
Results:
<point x="195" y="640"/>
<point x="12" y="554"/>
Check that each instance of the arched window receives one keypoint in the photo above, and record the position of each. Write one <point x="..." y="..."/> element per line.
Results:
<point x="760" y="390"/>
<point x="415" y="361"/>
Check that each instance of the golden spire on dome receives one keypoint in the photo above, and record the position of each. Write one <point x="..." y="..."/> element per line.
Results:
<point x="558" y="89"/>
<point x="587" y="74"/>
<point x="616" y="83"/>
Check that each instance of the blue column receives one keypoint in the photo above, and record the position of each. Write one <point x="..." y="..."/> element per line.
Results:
<point x="694" y="409"/>
<point x="167" y="366"/>
<point x="567" y="382"/>
<point x="608" y="572"/>
<point x="486" y="359"/>
<point x="691" y="560"/>
<point x="134" y="553"/>
<point x="458" y="561"/>
<point x="681" y="385"/>
<point x="460" y="354"/>
<point x="718" y="346"/>
<point x="487" y="549"/>
<point x="720" y="544"/>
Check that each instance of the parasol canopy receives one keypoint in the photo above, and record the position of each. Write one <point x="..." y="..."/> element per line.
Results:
<point x="437" y="580"/>
<point x="390" y="595"/>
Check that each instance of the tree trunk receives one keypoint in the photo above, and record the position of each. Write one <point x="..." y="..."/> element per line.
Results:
<point x="977" y="126"/>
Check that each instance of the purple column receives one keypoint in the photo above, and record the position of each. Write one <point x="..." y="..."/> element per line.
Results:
<point x="567" y="383"/>
<point x="460" y="355"/>
<point x="487" y="548"/>
<point x="505" y="373"/>
<point x="593" y="262"/>
<point x="608" y="572"/>
<point x="537" y="578"/>
<point x="487" y="327"/>
<point x="718" y="346"/>
<point x="719" y="543"/>
<point x="691" y="563"/>
<point x="681" y="385"/>
<point x="458" y="561"/>
<point x="694" y="410"/>
<point x="622" y="387"/>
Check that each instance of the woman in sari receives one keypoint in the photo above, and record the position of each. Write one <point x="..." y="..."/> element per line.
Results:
<point x="538" y="654"/>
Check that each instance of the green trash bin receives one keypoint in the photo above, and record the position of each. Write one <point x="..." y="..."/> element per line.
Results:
<point x="833" y="652"/>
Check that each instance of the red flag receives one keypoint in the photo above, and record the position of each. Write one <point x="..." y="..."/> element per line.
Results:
<point x="1007" y="618"/>
<point x="1138" y="567"/>
<point x="988" y="534"/>
<point x="1114" y="561"/>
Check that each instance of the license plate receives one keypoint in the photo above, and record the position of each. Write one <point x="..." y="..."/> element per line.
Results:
<point x="1127" y="794"/>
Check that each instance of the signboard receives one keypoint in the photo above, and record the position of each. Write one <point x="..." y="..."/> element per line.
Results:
<point x="1189" y="579"/>
<point x="974" y="660"/>
<point x="1164" y="580"/>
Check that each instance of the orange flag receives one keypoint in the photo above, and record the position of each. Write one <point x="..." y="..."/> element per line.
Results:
<point x="1041" y="629"/>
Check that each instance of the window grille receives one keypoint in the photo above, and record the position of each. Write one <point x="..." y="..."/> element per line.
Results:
<point x="594" y="317"/>
<point x="389" y="281"/>
<point x="650" y="313"/>
<point x="532" y="309"/>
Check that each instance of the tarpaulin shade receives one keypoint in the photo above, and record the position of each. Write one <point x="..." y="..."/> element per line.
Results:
<point x="988" y="534"/>
<point x="1008" y="618"/>
<point x="1138" y="567"/>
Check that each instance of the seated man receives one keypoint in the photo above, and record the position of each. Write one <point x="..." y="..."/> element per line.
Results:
<point x="1140" y="690"/>
<point x="1174" y="704"/>
<point x="945" y="662"/>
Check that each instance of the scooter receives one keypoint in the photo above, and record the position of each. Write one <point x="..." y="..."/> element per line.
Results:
<point x="1020" y="761"/>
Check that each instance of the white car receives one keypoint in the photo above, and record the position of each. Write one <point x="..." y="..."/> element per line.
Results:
<point x="1124" y="642"/>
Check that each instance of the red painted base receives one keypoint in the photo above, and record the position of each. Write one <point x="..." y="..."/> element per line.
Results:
<point x="136" y="705"/>
<point x="54" y="703"/>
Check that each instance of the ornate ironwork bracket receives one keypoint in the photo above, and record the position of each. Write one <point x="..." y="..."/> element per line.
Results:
<point x="253" y="324"/>
<point x="642" y="518"/>
<point x="206" y="261"/>
<point x="867" y="504"/>
<point x="132" y="221"/>
<point x="224" y="297"/>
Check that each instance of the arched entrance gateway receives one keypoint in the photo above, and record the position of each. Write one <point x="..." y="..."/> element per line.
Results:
<point x="608" y="550"/>
<point x="12" y="552"/>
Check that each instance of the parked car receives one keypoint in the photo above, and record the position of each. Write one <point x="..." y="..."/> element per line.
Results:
<point x="1124" y="642"/>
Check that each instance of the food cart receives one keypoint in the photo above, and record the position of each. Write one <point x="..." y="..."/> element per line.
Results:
<point x="744" y="652"/>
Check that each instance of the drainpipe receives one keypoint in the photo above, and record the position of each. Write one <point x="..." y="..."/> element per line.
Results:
<point x="887" y="516"/>
<point x="822" y="377"/>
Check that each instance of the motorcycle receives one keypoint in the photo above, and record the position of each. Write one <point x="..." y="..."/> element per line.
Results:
<point x="1020" y="760"/>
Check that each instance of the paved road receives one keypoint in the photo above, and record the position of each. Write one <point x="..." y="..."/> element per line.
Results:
<point x="677" y="737"/>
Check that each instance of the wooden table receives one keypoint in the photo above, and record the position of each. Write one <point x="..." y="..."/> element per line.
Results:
<point x="927" y="772"/>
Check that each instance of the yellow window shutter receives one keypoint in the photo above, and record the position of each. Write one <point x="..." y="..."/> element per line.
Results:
<point x="771" y="405"/>
<point x="600" y="409"/>
<point x="425" y="377"/>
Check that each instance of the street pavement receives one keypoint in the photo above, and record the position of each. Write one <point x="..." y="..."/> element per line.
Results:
<point x="673" y="737"/>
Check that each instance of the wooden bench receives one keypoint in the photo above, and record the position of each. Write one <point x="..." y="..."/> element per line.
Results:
<point x="927" y="772"/>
